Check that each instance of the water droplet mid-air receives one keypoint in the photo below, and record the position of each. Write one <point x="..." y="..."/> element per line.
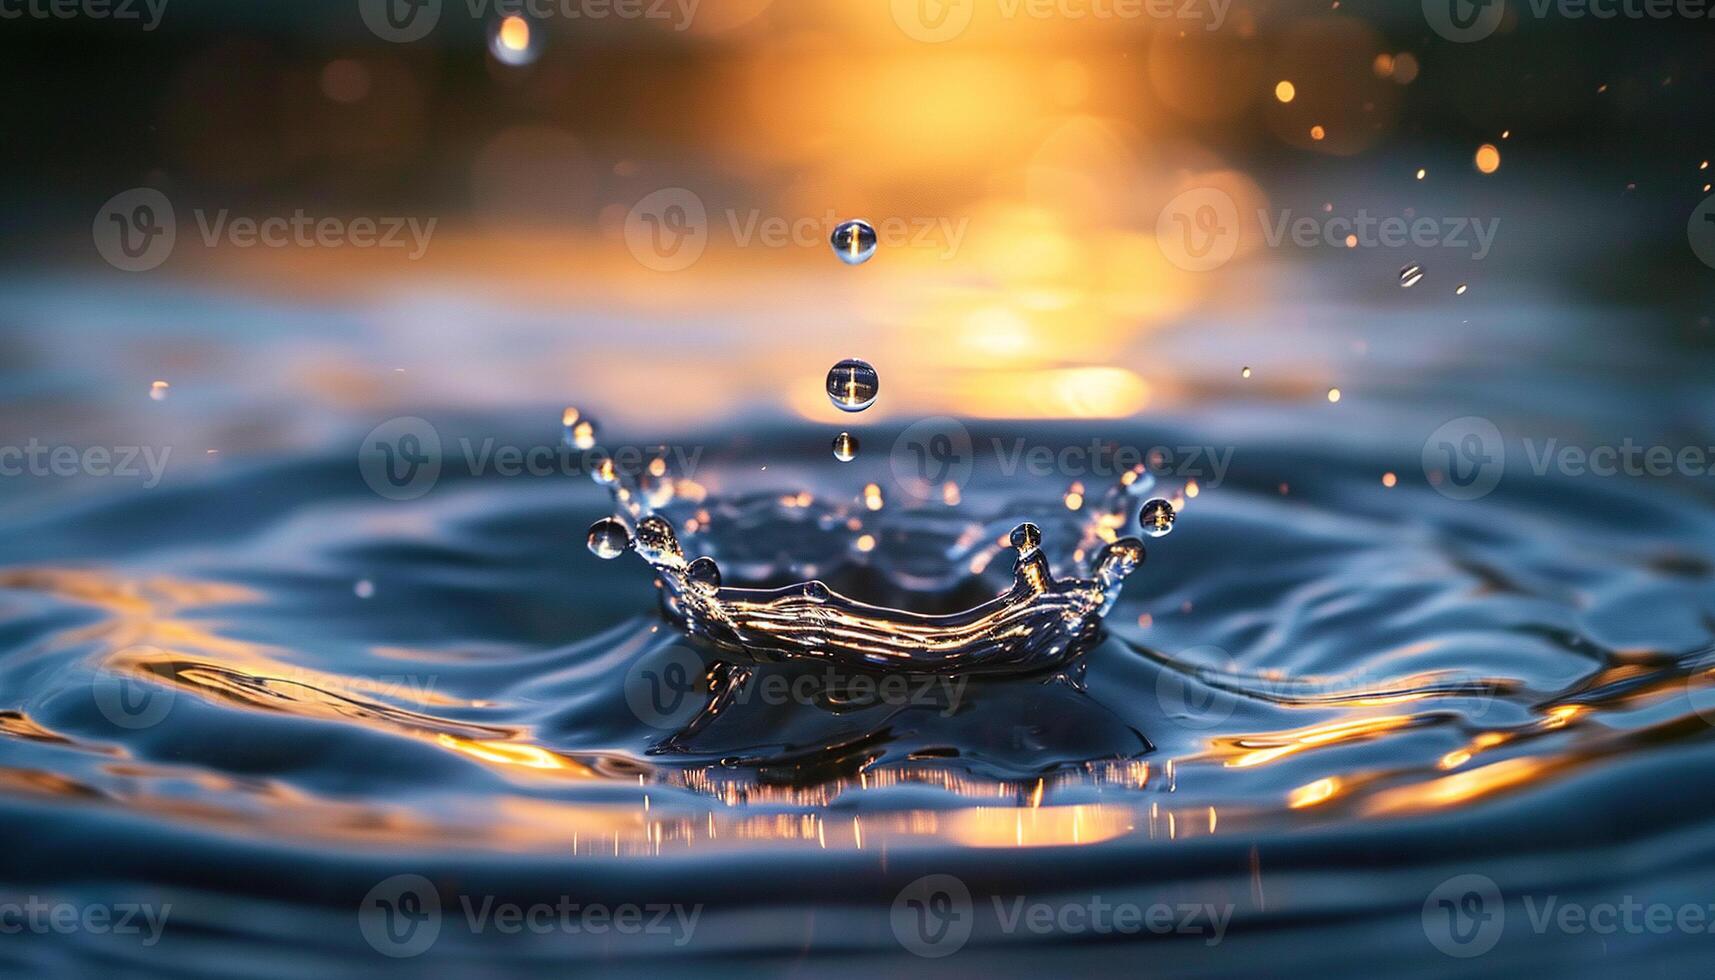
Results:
<point x="853" y="385"/>
<point x="608" y="538"/>
<point x="845" y="447"/>
<point x="1157" y="518"/>
<point x="1411" y="275"/>
<point x="854" y="242"/>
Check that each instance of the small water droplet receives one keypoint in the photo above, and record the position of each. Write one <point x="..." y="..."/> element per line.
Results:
<point x="1245" y="372"/>
<point x="1157" y="518"/>
<point x="608" y="538"/>
<point x="1461" y="290"/>
<point x="854" y="241"/>
<point x="514" y="41"/>
<point x="364" y="588"/>
<point x="853" y="385"/>
<point x="845" y="447"/>
<point x="1333" y="395"/>
<point x="159" y="390"/>
<point x="704" y="575"/>
<point x="1027" y="538"/>
<point x="579" y="432"/>
<point x="1411" y="275"/>
<point x="817" y="591"/>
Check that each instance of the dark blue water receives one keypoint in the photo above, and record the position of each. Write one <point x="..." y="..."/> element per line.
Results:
<point x="251" y="696"/>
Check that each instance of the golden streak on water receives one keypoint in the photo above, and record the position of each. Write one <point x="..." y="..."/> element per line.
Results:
<point x="1312" y="794"/>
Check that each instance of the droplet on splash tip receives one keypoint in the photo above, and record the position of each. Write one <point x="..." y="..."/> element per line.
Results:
<point x="853" y="385"/>
<point x="1157" y="518"/>
<point x="853" y="241"/>
<point x="845" y="447"/>
<point x="704" y="575"/>
<point x="1411" y="275"/>
<point x="1027" y="538"/>
<point x="608" y="539"/>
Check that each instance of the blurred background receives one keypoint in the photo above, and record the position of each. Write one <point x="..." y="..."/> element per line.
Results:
<point x="1024" y="159"/>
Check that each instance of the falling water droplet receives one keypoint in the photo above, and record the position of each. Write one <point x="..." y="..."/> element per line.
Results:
<point x="845" y="447"/>
<point x="704" y="575"/>
<point x="1245" y="373"/>
<point x="363" y="588"/>
<point x="1157" y="518"/>
<point x="1410" y="275"/>
<point x="1461" y="290"/>
<point x="1333" y="395"/>
<point x="853" y="385"/>
<point x="608" y="538"/>
<point x="513" y="41"/>
<point x="854" y="242"/>
<point x="159" y="390"/>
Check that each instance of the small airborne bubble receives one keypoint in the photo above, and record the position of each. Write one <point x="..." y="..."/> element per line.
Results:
<point x="845" y="447"/>
<point x="853" y="385"/>
<point x="513" y="41"/>
<point x="853" y="242"/>
<point x="608" y="538"/>
<point x="1157" y="518"/>
<point x="1411" y="275"/>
